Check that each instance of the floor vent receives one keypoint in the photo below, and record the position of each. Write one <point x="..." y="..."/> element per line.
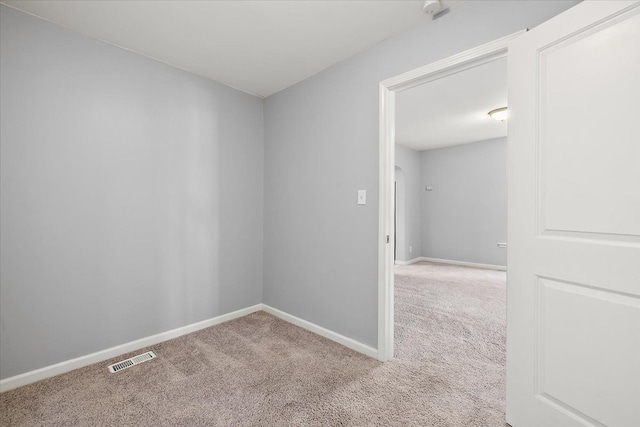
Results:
<point x="136" y="360"/>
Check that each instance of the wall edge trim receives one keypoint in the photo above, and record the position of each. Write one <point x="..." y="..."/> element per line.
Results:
<point x="465" y="263"/>
<point x="324" y="332"/>
<point x="408" y="262"/>
<point x="39" y="374"/>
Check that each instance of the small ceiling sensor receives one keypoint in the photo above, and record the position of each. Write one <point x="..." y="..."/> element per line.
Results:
<point x="432" y="7"/>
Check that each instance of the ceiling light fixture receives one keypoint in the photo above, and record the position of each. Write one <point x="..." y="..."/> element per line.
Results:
<point x="499" y="114"/>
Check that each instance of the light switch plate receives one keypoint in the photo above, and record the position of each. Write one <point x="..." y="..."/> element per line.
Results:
<point x="362" y="197"/>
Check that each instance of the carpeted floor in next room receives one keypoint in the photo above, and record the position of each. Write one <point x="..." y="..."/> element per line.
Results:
<point x="261" y="371"/>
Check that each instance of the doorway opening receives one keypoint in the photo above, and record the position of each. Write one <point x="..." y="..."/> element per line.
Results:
<point x="468" y="60"/>
<point x="443" y="208"/>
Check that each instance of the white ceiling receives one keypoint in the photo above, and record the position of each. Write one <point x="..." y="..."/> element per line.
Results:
<point x="453" y="110"/>
<point x="259" y="47"/>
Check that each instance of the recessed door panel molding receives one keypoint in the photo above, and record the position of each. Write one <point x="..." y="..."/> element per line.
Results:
<point x="573" y="300"/>
<point x="607" y="265"/>
<point x="588" y="132"/>
<point x="582" y="365"/>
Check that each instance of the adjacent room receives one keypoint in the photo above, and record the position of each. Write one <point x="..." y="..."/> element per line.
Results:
<point x="208" y="207"/>
<point x="451" y="229"/>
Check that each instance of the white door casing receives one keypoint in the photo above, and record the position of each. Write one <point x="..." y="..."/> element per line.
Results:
<point x="388" y="88"/>
<point x="573" y="278"/>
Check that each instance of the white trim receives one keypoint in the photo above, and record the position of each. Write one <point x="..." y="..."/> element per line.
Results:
<point x="471" y="58"/>
<point x="100" y="356"/>
<point x="465" y="263"/>
<point x="333" y="336"/>
<point x="452" y="262"/>
<point x="386" y="231"/>
<point x="454" y="64"/>
<point x="409" y="262"/>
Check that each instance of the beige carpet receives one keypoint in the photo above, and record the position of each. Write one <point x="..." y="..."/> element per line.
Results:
<point x="261" y="371"/>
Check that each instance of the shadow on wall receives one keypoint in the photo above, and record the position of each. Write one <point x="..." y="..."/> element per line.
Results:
<point x="408" y="215"/>
<point x="400" y="215"/>
<point x="131" y="196"/>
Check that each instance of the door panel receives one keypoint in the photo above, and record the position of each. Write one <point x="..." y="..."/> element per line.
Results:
<point x="584" y="101"/>
<point x="573" y="292"/>
<point x="600" y="380"/>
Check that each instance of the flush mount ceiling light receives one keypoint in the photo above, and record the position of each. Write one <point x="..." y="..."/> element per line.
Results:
<point x="499" y="114"/>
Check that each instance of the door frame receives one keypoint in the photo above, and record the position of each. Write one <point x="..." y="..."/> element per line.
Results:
<point x="388" y="88"/>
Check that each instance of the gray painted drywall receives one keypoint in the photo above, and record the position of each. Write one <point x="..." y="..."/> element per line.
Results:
<point x="131" y="196"/>
<point x="465" y="215"/>
<point x="409" y="235"/>
<point x="400" y="215"/>
<point x="321" y="146"/>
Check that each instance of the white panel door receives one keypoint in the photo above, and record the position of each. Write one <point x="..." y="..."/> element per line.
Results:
<point x="573" y="293"/>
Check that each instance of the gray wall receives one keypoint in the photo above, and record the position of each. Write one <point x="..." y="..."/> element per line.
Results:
<point x="321" y="146"/>
<point x="131" y="196"/>
<point x="408" y="195"/>
<point x="400" y="215"/>
<point x="465" y="215"/>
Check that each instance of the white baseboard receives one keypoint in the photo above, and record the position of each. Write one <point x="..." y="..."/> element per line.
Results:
<point x="465" y="263"/>
<point x="79" y="362"/>
<point x="409" y="262"/>
<point x="100" y="356"/>
<point x="333" y="336"/>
